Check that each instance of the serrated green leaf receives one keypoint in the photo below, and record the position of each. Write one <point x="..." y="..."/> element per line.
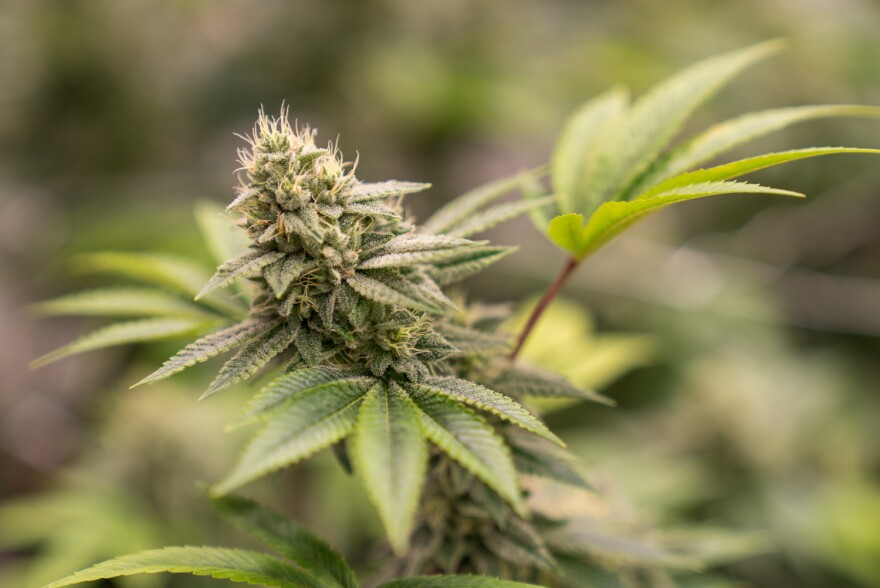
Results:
<point x="303" y="381"/>
<point x="474" y="260"/>
<point x="254" y="355"/>
<point x="471" y="441"/>
<point x="123" y="301"/>
<point x="177" y="273"/>
<point x="306" y="423"/>
<point x="390" y="456"/>
<point x="726" y="135"/>
<point x="471" y="342"/>
<point x="567" y="231"/>
<point x="288" y="538"/>
<point x="207" y="347"/>
<point x="462" y="208"/>
<point x="411" y="242"/>
<point x="612" y="218"/>
<point x="125" y="333"/>
<point x="486" y="219"/>
<point x="741" y="167"/>
<point x="389" y="289"/>
<point x="281" y="273"/>
<point x="519" y="380"/>
<point x="535" y="456"/>
<point x="241" y="266"/>
<point x="416" y="253"/>
<point x="455" y="582"/>
<point x="654" y="119"/>
<point x="580" y="142"/>
<point x="369" y="191"/>
<point x="483" y="398"/>
<point x="235" y="565"/>
<point x="172" y="272"/>
<point x="373" y="209"/>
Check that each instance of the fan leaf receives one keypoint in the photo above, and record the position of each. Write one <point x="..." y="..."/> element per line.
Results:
<point x="207" y="347"/>
<point x="288" y="538"/>
<point x="390" y="456"/>
<point x="462" y="208"/>
<point x="304" y="424"/>
<point x="471" y="441"/>
<point x="254" y="355"/>
<point x="483" y="398"/>
<point x="612" y="218"/>
<point x="123" y="302"/>
<point x="125" y="333"/>
<point x="236" y="565"/>
<point x="726" y="135"/>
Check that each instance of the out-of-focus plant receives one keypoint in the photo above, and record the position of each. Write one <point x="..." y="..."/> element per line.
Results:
<point x="345" y="294"/>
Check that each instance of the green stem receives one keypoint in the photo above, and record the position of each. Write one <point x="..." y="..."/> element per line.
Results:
<point x="552" y="291"/>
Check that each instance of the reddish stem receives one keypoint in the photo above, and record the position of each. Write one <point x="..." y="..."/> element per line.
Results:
<point x="551" y="293"/>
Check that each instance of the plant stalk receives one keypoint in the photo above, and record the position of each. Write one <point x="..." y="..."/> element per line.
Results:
<point x="552" y="291"/>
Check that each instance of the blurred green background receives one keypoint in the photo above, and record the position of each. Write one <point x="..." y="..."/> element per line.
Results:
<point x="741" y="337"/>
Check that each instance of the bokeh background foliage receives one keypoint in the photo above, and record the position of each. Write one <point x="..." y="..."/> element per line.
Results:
<point x="740" y="338"/>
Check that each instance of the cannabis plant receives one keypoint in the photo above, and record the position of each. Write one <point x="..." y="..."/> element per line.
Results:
<point x="417" y="390"/>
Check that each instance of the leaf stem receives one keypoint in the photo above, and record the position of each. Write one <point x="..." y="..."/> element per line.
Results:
<point x="552" y="291"/>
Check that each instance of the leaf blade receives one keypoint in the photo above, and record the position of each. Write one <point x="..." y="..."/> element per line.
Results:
<point x="491" y="401"/>
<point x="124" y="333"/>
<point x="612" y="218"/>
<point x="468" y="439"/>
<point x="207" y="347"/>
<point x="391" y="457"/>
<point x="288" y="538"/>
<point x="236" y="565"/>
<point x="124" y="301"/>
<point x="303" y="425"/>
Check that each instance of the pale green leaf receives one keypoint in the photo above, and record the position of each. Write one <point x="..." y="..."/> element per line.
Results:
<point x="281" y="273"/>
<point x="612" y="218"/>
<point x="519" y="380"/>
<point x="367" y="191"/>
<point x="462" y="208"/>
<point x="471" y="441"/>
<point x="567" y="231"/>
<point x="160" y="269"/>
<point x="236" y="565"/>
<point x="411" y="242"/>
<point x="390" y="456"/>
<point x="303" y="381"/>
<point x="288" y="538"/>
<point x="455" y="582"/>
<point x="470" y="262"/>
<point x="481" y="397"/>
<point x="125" y="333"/>
<point x="535" y="456"/>
<point x="486" y="219"/>
<point x="306" y="423"/>
<point x="744" y="166"/>
<point x="426" y="254"/>
<point x="581" y="140"/>
<point x="726" y="135"/>
<point x="391" y="290"/>
<point x="472" y="342"/>
<point x="254" y="355"/>
<point x="653" y="121"/>
<point x="123" y="301"/>
<point x="244" y="265"/>
<point x="177" y="273"/>
<point x="207" y="347"/>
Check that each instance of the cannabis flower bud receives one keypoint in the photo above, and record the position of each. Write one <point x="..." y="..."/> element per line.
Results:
<point x="338" y="275"/>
